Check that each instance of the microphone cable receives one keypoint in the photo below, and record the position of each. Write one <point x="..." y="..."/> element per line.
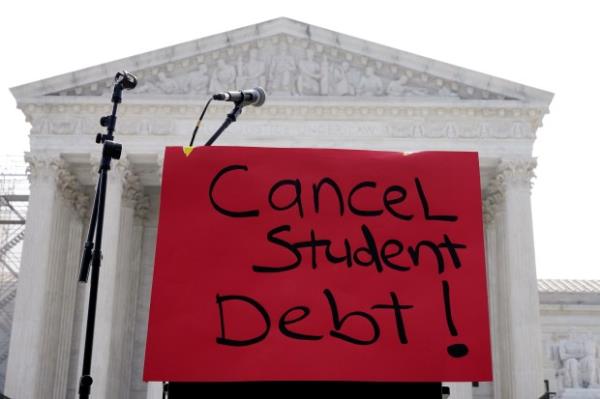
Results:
<point x="200" y="120"/>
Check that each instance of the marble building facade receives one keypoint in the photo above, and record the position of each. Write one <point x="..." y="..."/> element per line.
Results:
<point x="325" y="89"/>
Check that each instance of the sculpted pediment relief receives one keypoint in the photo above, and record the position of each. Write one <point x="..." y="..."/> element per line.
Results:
<point x="289" y="59"/>
<point x="289" y="66"/>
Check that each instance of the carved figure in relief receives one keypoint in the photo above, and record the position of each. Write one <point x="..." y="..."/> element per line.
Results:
<point x="144" y="87"/>
<point x="569" y="351"/>
<point x="223" y="77"/>
<point x="370" y="84"/>
<point x="182" y="83"/>
<point x="578" y="363"/>
<point x="397" y="87"/>
<point x="446" y="92"/>
<point x="162" y="84"/>
<point x="198" y="80"/>
<point x="400" y="88"/>
<point x="309" y="76"/>
<point x="587" y="364"/>
<point x="341" y="80"/>
<point x="251" y="73"/>
<point x="281" y="71"/>
<point x="324" y="76"/>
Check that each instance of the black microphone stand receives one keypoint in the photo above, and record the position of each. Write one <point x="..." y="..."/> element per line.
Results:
<point x="231" y="117"/>
<point x="93" y="251"/>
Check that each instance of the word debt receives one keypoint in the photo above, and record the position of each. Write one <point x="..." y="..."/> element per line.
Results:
<point x="290" y="323"/>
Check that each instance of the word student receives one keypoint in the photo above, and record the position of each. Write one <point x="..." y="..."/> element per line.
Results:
<point x="371" y="254"/>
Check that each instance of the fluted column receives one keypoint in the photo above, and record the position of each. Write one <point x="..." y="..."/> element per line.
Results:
<point x="42" y="322"/>
<point x="491" y="199"/>
<point x="135" y="200"/>
<point x="63" y="320"/>
<point x="121" y="246"/>
<point x="519" y="351"/>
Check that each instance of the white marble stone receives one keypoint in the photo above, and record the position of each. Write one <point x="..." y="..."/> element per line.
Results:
<point x="579" y="393"/>
<point x="460" y="390"/>
<point x="570" y="320"/>
<point x="519" y="328"/>
<point x="42" y="324"/>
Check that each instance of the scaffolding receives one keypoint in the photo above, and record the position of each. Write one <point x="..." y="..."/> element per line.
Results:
<point x="14" y="198"/>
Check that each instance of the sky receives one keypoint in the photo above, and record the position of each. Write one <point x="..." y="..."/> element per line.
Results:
<point x="550" y="45"/>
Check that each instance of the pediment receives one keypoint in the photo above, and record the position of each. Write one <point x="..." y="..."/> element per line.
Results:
<point x="289" y="59"/>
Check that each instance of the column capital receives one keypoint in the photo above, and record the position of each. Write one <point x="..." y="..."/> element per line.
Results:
<point x="40" y="165"/>
<point x="510" y="172"/>
<point x="122" y="172"/>
<point x="133" y="189"/>
<point x="70" y="188"/>
<point x="493" y="196"/>
<point x="517" y="171"/>
<point x="46" y="166"/>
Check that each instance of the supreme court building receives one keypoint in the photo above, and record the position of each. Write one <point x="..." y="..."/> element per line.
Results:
<point x="325" y="89"/>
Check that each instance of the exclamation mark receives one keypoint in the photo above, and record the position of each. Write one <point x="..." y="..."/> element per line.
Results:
<point x="454" y="350"/>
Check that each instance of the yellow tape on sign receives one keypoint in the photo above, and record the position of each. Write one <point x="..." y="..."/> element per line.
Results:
<point x="188" y="150"/>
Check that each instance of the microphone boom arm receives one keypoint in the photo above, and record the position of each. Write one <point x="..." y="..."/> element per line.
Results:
<point x="231" y="117"/>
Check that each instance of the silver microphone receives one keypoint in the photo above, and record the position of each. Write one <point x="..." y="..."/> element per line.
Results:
<point x="254" y="96"/>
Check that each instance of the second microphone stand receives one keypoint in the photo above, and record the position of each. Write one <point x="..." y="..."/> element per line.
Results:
<point x="231" y="117"/>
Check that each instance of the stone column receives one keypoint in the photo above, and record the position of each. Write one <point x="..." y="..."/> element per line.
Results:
<point x="519" y="342"/>
<point x="40" y="339"/>
<point x="491" y="199"/>
<point x="155" y="390"/>
<point x="68" y="287"/>
<point x="121" y="246"/>
<point x="135" y="199"/>
<point x="460" y="390"/>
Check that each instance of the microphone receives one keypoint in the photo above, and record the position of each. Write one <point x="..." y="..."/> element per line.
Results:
<point x="254" y="96"/>
<point x="126" y="79"/>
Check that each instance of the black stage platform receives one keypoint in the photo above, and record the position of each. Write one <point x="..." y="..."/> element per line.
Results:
<point x="181" y="390"/>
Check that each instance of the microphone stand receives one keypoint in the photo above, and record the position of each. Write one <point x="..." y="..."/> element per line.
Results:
<point x="240" y="98"/>
<point x="93" y="251"/>
<point x="231" y="117"/>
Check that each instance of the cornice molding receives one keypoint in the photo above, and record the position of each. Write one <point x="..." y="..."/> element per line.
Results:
<point x="181" y="104"/>
<point x="393" y="119"/>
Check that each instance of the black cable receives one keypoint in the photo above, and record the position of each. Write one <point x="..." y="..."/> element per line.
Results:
<point x="200" y="120"/>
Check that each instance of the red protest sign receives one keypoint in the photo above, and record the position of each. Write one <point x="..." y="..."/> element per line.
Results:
<point x="314" y="264"/>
